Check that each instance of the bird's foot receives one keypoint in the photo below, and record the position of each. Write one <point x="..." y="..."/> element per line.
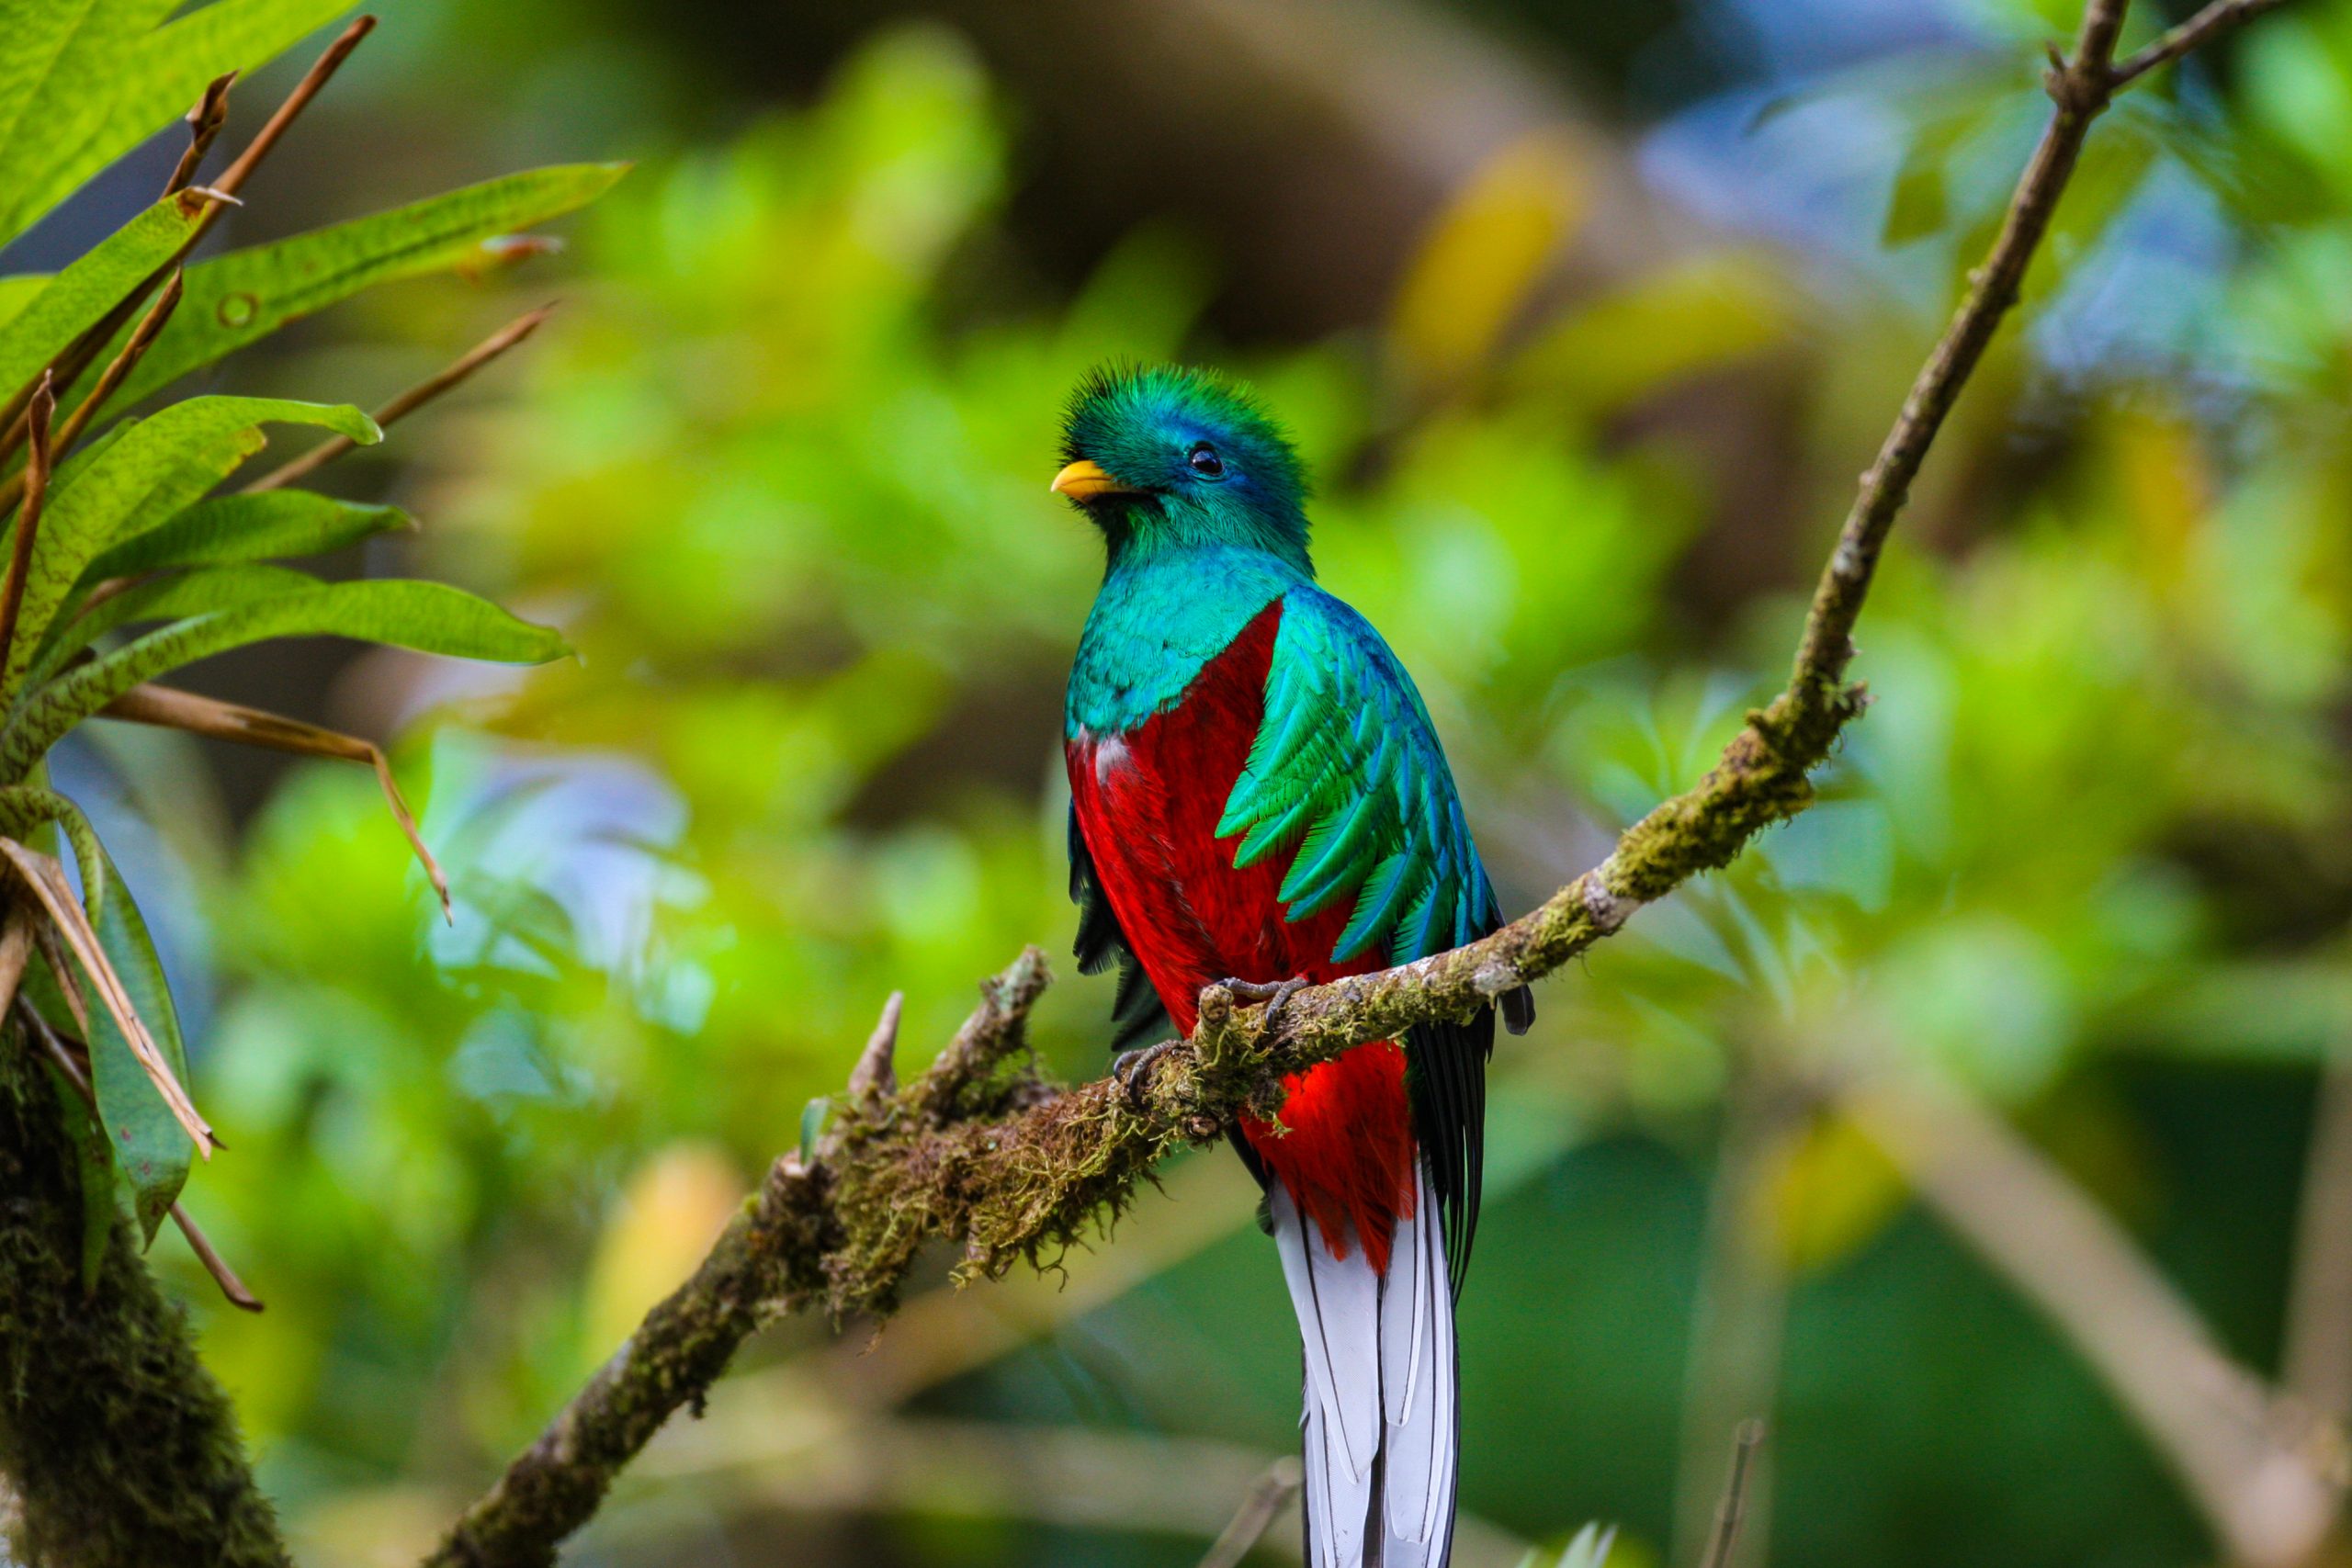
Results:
<point x="1133" y="1068"/>
<point x="1273" y="994"/>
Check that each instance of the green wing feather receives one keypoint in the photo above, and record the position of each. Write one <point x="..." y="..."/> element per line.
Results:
<point x="1347" y="768"/>
<point x="1347" y="771"/>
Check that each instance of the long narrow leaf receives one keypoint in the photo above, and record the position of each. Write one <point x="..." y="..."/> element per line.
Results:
<point x="78" y="297"/>
<point x="38" y="33"/>
<point x="95" y="1165"/>
<point x="270" y="525"/>
<point x="248" y="294"/>
<point x="42" y="877"/>
<point x="17" y="291"/>
<point x="26" y="808"/>
<point x="200" y="591"/>
<point x="60" y="89"/>
<point x="161" y="466"/>
<point x="160" y="75"/>
<point x="151" y="1153"/>
<point x="430" y="617"/>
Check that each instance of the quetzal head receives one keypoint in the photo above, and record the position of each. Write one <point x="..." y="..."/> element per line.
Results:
<point x="1171" y="457"/>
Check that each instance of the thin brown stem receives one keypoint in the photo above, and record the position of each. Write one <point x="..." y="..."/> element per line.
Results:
<point x="313" y="82"/>
<point x="408" y="401"/>
<point x="232" y="1287"/>
<point x="1733" y="1509"/>
<point x="2264" y="1483"/>
<point x="204" y="123"/>
<point x="2080" y="88"/>
<point x="45" y="880"/>
<point x="142" y="337"/>
<point x="37" y="415"/>
<point x="1739" y="1317"/>
<point x="75" y="1068"/>
<point x="2199" y="29"/>
<point x="170" y="708"/>
<point x="2318" y="1358"/>
<point x="207" y="202"/>
<point x="876" y="1072"/>
<point x="1269" y="1496"/>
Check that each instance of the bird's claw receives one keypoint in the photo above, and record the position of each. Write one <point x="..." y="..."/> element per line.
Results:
<point x="1133" y="1068"/>
<point x="1273" y="993"/>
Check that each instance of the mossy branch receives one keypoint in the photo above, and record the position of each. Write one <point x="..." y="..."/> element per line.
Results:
<point x="980" y="1153"/>
<point x="122" y="1449"/>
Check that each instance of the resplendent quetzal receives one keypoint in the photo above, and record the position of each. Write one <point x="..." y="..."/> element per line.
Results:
<point x="1258" y="794"/>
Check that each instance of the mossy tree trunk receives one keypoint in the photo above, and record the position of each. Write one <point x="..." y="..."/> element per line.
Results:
<point x="120" y="1447"/>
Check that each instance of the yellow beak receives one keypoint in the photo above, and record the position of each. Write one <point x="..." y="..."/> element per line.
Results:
<point x="1084" y="480"/>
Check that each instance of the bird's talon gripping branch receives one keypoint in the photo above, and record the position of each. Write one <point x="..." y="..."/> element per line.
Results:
<point x="1273" y="994"/>
<point x="1133" y="1069"/>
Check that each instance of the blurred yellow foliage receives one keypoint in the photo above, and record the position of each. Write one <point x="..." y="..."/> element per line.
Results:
<point x="657" y="1231"/>
<point x="1832" y="1193"/>
<point x="1484" y="255"/>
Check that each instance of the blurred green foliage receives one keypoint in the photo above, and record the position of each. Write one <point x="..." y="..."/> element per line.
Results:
<point x="779" y="473"/>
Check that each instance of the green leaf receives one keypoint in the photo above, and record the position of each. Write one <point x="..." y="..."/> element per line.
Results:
<point x="25" y="808"/>
<point x="430" y="617"/>
<point x="161" y="465"/>
<point x="58" y="63"/>
<point x="17" y="292"/>
<point x="94" y="1163"/>
<point x="228" y="529"/>
<point x="162" y="74"/>
<point x="249" y="294"/>
<point x="152" y="1152"/>
<point x="79" y="298"/>
<point x="200" y="591"/>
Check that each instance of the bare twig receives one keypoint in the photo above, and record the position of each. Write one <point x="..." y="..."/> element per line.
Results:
<point x="1016" y="1170"/>
<point x="46" y="881"/>
<point x="2201" y="28"/>
<point x="142" y="337"/>
<point x="1739" y="1317"/>
<point x="38" y="413"/>
<point x="1269" y="1496"/>
<point x="2080" y="88"/>
<point x="204" y="123"/>
<point x="408" y="401"/>
<point x="169" y="709"/>
<point x="2268" y="1484"/>
<point x="214" y="1264"/>
<point x="76" y="1073"/>
<point x="876" y="1070"/>
<point x="2318" y="1358"/>
<point x="1745" y="1443"/>
<point x="314" y="80"/>
<point x="675" y="1355"/>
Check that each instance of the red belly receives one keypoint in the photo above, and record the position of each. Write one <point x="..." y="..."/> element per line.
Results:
<point x="1148" y="803"/>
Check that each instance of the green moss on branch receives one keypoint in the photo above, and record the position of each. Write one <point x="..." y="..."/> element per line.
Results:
<point x="121" y="1449"/>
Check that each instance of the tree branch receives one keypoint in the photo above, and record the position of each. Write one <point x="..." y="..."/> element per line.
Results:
<point x="443" y="380"/>
<point x="2201" y="29"/>
<point x="122" y="1449"/>
<point x="2264" y="1478"/>
<point x="982" y="1152"/>
<point x="2317" y="1362"/>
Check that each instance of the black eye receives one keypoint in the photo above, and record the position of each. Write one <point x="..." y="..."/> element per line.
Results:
<point x="1204" y="461"/>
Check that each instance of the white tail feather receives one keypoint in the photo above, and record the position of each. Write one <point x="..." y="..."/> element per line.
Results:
<point x="1379" y="1431"/>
